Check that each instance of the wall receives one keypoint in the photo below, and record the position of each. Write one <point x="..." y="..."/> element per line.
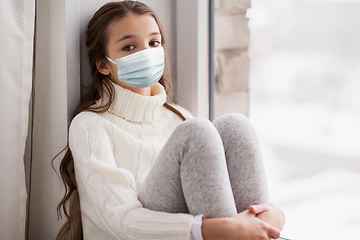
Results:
<point x="55" y="87"/>
<point x="231" y="58"/>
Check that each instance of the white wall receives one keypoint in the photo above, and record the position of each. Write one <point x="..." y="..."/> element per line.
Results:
<point x="50" y="113"/>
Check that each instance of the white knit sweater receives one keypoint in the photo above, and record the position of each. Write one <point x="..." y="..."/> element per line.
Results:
<point x="113" y="152"/>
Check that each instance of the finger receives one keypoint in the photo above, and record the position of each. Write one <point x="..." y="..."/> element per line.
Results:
<point x="256" y="209"/>
<point x="273" y="232"/>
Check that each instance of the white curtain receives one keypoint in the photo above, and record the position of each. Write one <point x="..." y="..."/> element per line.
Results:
<point x="16" y="63"/>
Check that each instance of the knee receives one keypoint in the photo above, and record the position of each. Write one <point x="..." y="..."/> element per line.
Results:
<point x="196" y="126"/>
<point x="196" y="123"/>
<point x="232" y="118"/>
<point x="233" y="122"/>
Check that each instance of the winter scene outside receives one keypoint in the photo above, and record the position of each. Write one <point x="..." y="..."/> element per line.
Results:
<point x="305" y="106"/>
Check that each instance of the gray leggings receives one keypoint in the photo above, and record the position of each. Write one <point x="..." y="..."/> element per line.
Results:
<point x="207" y="168"/>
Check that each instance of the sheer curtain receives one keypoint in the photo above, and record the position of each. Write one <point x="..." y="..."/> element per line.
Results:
<point x="16" y="63"/>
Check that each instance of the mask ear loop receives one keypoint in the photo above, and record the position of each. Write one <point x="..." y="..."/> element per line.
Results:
<point x="110" y="60"/>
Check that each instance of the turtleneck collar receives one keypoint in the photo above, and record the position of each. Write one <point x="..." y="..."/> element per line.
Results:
<point x="135" y="107"/>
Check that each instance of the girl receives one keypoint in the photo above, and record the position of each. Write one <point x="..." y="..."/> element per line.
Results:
<point x="143" y="173"/>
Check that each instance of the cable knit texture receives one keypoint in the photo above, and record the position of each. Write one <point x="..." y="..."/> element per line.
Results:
<point x="113" y="152"/>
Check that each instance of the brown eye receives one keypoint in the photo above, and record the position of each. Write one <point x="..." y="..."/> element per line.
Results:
<point x="154" y="43"/>
<point x="128" y="48"/>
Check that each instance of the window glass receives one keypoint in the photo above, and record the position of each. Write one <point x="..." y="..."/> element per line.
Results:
<point x="305" y="105"/>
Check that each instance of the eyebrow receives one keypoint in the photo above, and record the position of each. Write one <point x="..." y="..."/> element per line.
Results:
<point x="133" y="36"/>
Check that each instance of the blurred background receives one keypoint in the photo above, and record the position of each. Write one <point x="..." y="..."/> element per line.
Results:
<point x="304" y="94"/>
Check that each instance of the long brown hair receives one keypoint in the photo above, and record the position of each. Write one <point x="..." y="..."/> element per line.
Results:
<point x="96" y="42"/>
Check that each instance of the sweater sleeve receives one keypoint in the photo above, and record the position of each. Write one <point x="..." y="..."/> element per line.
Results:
<point x="108" y="195"/>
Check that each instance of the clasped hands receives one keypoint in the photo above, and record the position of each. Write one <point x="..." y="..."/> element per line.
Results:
<point x="260" y="222"/>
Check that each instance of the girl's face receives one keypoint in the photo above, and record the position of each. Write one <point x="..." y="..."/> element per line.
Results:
<point x="128" y="35"/>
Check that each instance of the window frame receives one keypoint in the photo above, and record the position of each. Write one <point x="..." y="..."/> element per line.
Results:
<point x="192" y="20"/>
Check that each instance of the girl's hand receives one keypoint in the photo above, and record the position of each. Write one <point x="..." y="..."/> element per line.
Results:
<point x="244" y="226"/>
<point x="270" y="214"/>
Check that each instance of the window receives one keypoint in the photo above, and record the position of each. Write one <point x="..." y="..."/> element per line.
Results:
<point x="304" y="103"/>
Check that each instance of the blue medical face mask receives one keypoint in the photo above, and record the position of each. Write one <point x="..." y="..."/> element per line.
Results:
<point x="141" y="69"/>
